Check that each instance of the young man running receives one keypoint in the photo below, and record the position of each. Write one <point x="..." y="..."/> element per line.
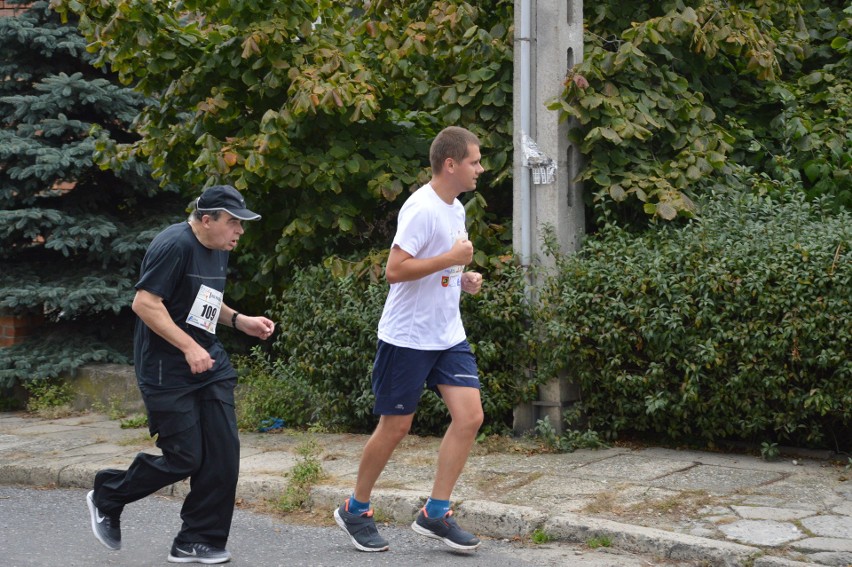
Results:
<point x="422" y="342"/>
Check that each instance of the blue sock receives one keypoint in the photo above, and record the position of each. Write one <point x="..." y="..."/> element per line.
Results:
<point x="437" y="508"/>
<point x="356" y="507"/>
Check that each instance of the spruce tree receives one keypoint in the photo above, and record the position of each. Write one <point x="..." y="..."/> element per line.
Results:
<point x="72" y="230"/>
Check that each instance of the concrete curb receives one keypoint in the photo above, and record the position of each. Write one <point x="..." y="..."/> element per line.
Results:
<point x="659" y="543"/>
<point x="502" y="521"/>
<point x="506" y="521"/>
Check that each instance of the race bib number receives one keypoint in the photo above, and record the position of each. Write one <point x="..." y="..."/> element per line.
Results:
<point x="452" y="276"/>
<point x="205" y="310"/>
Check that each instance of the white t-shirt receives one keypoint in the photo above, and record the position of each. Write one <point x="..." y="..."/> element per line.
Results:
<point x="424" y="314"/>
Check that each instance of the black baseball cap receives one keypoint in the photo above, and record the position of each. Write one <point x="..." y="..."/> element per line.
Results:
<point x="225" y="198"/>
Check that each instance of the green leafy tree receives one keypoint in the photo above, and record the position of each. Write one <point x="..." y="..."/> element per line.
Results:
<point x="800" y="128"/>
<point x="453" y="60"/>
<point x="72" y="234"/>
<point x="321" y="112"/>
<point x="670" y="94"/>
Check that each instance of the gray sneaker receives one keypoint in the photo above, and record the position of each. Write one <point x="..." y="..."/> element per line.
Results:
<point x="198" y="553"/>
<point x="361" y="529"/>
<point x="106" y="528"/>
<point x="445" y="529"/>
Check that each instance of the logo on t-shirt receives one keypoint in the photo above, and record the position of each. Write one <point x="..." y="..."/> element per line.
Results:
<point x="451" y="276"/>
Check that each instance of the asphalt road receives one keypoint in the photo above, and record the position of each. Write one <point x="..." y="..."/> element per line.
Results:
<point x="47" y="527"/>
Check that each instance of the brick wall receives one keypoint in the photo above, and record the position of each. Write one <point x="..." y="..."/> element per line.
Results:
<point x="15" y="328"/>
<point x="9" y="9"/>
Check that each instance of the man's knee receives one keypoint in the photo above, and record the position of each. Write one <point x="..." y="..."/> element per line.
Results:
<point x="182" y="454"/>
<point x="471" y="421"/>
<point x="394" y="427"/>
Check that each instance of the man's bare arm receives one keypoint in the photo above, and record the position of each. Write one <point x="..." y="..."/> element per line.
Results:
<point x="150" y="309"/>
<point x="403" y="267"/>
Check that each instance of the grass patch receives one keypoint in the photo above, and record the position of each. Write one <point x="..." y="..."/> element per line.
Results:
<point x="135" y="422"/>
<point x="604" y="503"/>
<point x="686" y="503"/>
<point x="507" y="445"/>
<point x="141" y="439"/>
<point x="49" y="398"/>
<point x="540" y="536"/>
<point x="112" y="409"/>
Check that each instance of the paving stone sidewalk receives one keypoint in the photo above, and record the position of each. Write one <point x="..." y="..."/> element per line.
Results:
<point x="710" y="508"/>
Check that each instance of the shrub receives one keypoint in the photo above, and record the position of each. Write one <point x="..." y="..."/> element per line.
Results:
<point x="736" y="325"/>
<point x="49" y="398"/>
<point x="498" y="322"/>
<point x="319" y="369"/>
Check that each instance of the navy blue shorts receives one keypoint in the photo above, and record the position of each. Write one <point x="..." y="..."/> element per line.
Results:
<point x="400" y="373"/>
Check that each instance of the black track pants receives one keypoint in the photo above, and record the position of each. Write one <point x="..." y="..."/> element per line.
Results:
<point x="207" y="452"/>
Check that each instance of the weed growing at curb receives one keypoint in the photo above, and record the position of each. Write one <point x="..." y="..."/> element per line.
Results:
<point x="599" y="541"/>
<point x="540" y="536"/>
<point x="302" y="477"/>
<point x="381" y="517"/>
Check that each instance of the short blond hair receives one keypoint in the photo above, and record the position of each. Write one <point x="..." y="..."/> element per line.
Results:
<point x="451" y="142"/>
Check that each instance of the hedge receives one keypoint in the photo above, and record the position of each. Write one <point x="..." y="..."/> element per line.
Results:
<point x="735" y="326"/>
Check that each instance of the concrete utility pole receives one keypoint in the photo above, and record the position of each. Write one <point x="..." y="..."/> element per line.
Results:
<point x="548" y="43"/>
